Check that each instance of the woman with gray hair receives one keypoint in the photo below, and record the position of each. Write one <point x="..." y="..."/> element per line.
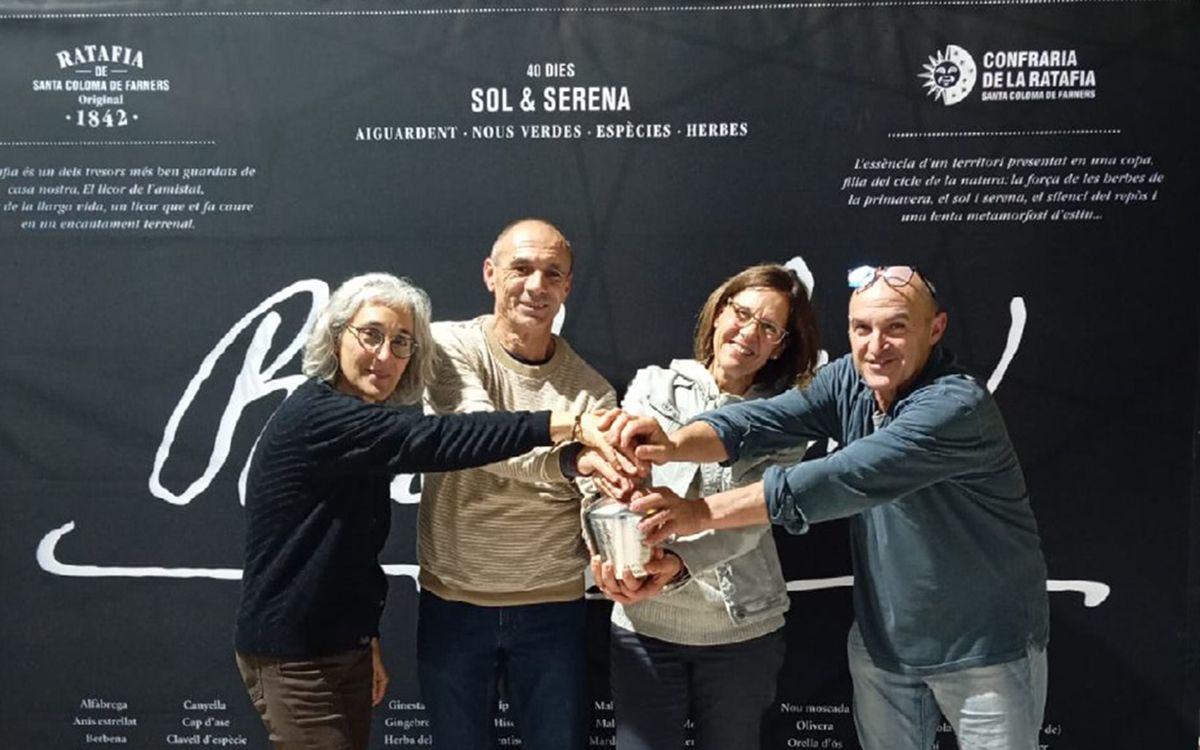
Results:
<point x="318" y="507"/>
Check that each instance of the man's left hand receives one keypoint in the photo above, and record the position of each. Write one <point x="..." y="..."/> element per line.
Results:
<point x="668" y="515"/>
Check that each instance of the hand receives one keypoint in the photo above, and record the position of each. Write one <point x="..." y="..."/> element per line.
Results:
<point x="595" y="432"/>
<point x="645" y="439"/>
<point x="379" y="675"/>
<point x="604" y="475"/>
<point x="606" y="478"/>
<point x="668" y="515"/>
<point x="620" y="491"/>
<point x="662" y="567"/>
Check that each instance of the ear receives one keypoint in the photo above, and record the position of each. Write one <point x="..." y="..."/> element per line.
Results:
<point x="489" y="274"/>
<point x="938" y="328"/>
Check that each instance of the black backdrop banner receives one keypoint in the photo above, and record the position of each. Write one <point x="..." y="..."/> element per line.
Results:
<point x="182" y="183"/>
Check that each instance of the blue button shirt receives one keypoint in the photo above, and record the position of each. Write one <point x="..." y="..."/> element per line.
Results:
<point x="947" y="560"/>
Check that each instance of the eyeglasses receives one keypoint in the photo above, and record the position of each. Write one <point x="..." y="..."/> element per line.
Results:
<point x="744" y="316"/>
<point x="371" y="339"/>
<point x="894" y="276"/>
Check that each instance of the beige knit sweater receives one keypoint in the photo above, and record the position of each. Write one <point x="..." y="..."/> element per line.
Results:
<point x="507" y="533"/>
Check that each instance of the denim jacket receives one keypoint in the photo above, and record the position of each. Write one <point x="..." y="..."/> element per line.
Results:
<point x="745" y="562"/>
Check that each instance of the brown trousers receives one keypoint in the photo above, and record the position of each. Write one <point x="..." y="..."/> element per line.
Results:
<point x="320" y="704"/>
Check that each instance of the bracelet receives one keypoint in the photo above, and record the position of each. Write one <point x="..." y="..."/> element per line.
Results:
<point x="577" y="428"/>
<point x="680" y="579"/>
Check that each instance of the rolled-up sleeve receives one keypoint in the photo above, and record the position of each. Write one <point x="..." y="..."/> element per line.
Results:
<point x="933" y="440"/>
<point x="783" y="507"/>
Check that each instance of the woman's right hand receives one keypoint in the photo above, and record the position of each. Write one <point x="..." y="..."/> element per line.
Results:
<point x="662" y="567"/>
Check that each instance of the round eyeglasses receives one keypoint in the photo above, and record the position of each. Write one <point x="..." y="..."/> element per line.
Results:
<point x="371" y="339"/>
<point x="771" y="332"/>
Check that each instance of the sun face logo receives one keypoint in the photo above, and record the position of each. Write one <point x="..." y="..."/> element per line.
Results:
<point x="950" y="75"/>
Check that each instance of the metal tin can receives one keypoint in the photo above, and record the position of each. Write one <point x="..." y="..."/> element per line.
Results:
<point x="613" y="530"/>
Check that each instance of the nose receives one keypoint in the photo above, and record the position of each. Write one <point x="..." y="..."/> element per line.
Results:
<point x="749" y="328"/>
<point x="384" y="352"/>
<point x="535" y="281"/>
<point x="875" y="341"/>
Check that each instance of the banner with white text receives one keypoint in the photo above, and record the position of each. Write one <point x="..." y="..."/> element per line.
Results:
<point x="182" y="184"/>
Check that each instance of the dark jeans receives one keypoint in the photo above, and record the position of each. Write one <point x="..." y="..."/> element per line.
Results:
<point x="538" y="649"/>
<point x="724" y="689"/>
<point x="323" y="702"/>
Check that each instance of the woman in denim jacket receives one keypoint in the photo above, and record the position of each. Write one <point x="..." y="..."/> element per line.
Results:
<point x="710" y="645"/>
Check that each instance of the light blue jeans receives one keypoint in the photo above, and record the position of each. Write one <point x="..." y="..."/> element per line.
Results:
<point x="998" y="707"/>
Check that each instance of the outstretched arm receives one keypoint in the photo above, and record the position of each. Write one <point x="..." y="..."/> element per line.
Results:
<point x="697" y="442"/>
<point x="669" y="515"/>
<point x="459" y="387"/>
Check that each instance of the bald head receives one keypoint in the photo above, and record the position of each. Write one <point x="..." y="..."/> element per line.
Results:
<point x="892" y="332"/>
<point x="529" y="274"/>
<point x="530" y="233"/>
<point x="917" y="294"/>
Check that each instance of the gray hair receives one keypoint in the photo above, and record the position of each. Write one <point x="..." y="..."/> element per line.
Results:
<point x="321" y="349"/>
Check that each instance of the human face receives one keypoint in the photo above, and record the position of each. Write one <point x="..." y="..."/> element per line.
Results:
<point x="530" y="276"/>
<point x="740" y="349"/>
<point x="372" y="375"/>
<point x="892" y="331"/>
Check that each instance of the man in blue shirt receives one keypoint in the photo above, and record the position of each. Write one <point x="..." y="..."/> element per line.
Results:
<point x="950" y="583"/>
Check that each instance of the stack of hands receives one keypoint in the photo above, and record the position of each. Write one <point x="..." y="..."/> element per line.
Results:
<point x="620" y="448"/>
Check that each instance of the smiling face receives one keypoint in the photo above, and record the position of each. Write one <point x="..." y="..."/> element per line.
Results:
<point x="529" y="273"/>
<point x="892" y="332"/>
<point x="372" y="375"/>
<point x="946" y="74"/>
<point x="741" y="344"/>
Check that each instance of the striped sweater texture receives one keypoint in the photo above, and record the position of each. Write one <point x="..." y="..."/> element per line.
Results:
<point x="507" y="533"/>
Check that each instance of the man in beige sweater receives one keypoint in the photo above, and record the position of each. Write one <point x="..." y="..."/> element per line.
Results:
<point x="500" y="549"/>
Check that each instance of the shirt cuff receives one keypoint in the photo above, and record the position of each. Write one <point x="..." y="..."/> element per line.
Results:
<point x="568" y="460"/>
<point x="540" y="424"/>
<point x="783" y="507"/>
<point x="726" y="433"/>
